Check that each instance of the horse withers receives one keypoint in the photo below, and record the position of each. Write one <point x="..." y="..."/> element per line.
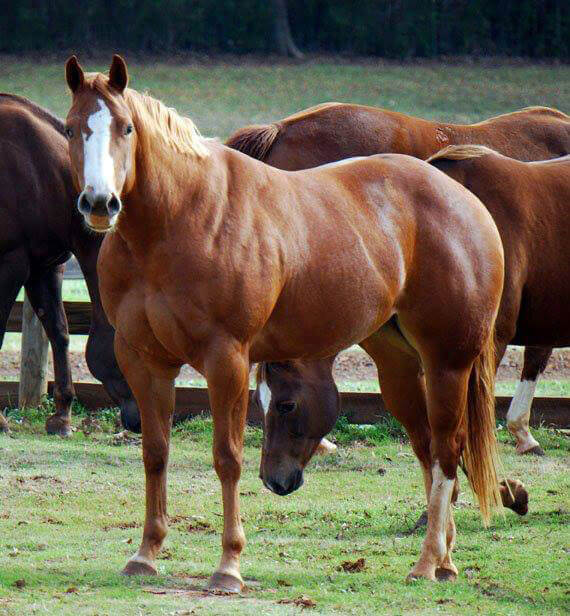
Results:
<point x="218" y="260"/>
<point x="40" y="228"/>
<point x="335" y="131"/>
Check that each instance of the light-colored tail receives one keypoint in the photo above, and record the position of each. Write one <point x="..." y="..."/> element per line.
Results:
<point x="481" y="454"/>
<point x="255" y="140"/>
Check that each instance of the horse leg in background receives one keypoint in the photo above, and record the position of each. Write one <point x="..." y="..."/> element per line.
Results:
<point x="44" y="289"/>
<point x="227" y="373"/>
<point x="14" y="271"/>
<point x="99" y="352"/>
<point x="518" y="417"/>
<point x="153" y="387"/>
<point x="404" y="392"/>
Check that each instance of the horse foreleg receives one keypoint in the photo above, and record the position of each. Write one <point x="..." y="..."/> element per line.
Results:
<point x="447" y="400"/>
<point x="153" y="387"/>
<point x="518" y="416"/>
<point x="44" y="292"/>
<point x="14" y="270"/>
<point x="227" y="373"/>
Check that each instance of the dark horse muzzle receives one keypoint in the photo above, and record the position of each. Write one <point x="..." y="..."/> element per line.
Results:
<point x="286" y="485"/>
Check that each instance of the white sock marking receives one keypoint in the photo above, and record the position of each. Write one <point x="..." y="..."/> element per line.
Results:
<point x="522" y="400"/>
<point x="440" y="499"/>
<point x="519" y="415"/>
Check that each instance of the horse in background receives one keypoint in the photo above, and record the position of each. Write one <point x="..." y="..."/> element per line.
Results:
<point x="40" y="228"/>
<point x="335" y="131"/>
<point x="217" y="260"/>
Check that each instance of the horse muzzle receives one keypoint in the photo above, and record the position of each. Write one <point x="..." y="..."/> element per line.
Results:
<point x="284" y="486"/>
<point x="100" y="210"/>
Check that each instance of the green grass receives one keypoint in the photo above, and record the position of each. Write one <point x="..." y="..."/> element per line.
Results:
<point x="71" y="514"/>
<point x="223" y="96"/>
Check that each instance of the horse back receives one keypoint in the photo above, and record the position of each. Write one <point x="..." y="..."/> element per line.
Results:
<point x="36" y="188"/>
<point x="529" y="203"/>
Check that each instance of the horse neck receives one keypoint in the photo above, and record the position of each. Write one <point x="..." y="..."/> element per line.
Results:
<point x="165" y="183"/>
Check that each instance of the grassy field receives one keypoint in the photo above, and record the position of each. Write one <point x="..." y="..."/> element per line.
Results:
<point x="71" y="514"/>
<point x="71" y="510"/>
<point x="225" y="95"/>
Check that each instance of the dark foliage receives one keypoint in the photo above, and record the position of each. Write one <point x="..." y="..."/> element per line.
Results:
<point x="389" y="28"/>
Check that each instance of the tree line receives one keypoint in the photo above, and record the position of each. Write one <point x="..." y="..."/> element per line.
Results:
<point x="386" y="28"/>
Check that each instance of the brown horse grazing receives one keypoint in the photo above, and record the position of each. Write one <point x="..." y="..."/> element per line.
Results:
<point x="300" y="404"/>
<point x="39" y="229"/>
<point x="335" y="131"/>
<point x="218" y="260"/>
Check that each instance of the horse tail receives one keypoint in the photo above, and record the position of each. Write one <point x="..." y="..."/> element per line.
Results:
<point x="480" y="454"/>
<point x="255" y="140"/>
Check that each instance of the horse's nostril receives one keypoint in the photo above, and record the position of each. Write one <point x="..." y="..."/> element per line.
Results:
<point x="113" y="205"/>
<point x="83" y="205"/>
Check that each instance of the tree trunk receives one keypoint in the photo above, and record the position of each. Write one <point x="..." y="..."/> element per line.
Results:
<point x="33" y="359"/>
<point x="284" y="43"/>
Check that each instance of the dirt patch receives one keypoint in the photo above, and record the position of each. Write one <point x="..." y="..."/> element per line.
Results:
<point x="351" y="365"/>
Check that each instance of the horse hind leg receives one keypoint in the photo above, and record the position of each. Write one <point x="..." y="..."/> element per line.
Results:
<point x="518" y="416"/>
<point x="447" y="402"/>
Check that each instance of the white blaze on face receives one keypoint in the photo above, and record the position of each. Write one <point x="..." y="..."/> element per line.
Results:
<point x="264" y="397"/>
<point x="99" y="169"/>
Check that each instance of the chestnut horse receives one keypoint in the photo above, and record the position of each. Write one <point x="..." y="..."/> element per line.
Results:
<point x="39" y="229"/>
<point x="335" y="131"/>
<point x="218" y="260"/>
<point x="529" y="203"/>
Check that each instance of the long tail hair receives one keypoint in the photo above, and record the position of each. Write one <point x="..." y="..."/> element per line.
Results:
<point x="480" y="454"/>
<point x="255" y="140"/>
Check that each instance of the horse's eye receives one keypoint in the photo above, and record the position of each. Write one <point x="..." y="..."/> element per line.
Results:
<point x="69" y="132"/>
<point x="285" y="407"/>
<point x="129" y="129"/>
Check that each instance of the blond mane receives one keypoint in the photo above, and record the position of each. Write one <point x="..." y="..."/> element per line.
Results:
<point x="461" y="152"/>
<point x="166" y="125"/>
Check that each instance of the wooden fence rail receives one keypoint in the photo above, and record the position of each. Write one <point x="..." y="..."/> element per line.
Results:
<point x="359" y="407"/>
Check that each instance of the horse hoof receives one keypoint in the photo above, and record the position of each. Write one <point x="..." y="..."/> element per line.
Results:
<point x="57" y="426"/>
<point x="445" y="575"/>
<point x="135" y="567"/>
<point x="224" y="582"/>
<point x="534" y="451"/>
<point x="415" y="576"/>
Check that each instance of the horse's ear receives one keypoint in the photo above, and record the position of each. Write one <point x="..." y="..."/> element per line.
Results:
<point x="118" y="74"/>
<point x="74" y="74"/>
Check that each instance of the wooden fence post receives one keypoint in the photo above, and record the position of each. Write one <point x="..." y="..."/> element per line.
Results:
<point x="33" y="359"/>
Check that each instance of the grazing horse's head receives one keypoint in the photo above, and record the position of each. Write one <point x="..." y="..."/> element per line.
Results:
<point x="300" y="405"/>
<point x="101" y="136"/>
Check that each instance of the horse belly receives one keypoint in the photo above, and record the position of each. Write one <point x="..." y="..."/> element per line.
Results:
<point x="321" y="324"/>
<point x="543" y="316"/>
